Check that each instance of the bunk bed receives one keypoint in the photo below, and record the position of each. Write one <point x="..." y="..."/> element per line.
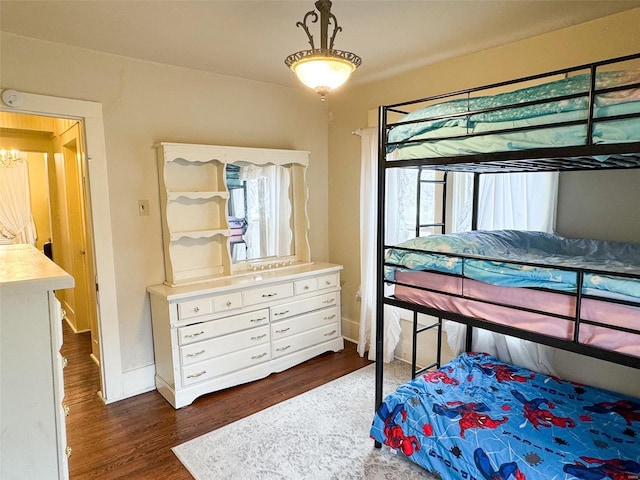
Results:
<point x="478" y="417"/>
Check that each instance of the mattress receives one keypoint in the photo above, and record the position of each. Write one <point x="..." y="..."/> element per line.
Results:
<point x="489" y="124"/>
<point x="611" y="269"/>
<point x="480" y="418"/>
<point x="545" y="312"/>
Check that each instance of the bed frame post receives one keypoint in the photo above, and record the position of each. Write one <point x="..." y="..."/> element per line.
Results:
<point x="474" y="226"/>
<point x="476" y="201"/>
<point x="379" y="333"/>
<point x="468" y="339"/>
<point x="414" y="354"/>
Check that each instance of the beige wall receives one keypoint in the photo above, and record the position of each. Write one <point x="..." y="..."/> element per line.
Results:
<point x="145" y="103"/>
<point x="604" y="38"/>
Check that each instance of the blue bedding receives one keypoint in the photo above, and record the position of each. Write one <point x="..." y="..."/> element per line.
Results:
<point x="456" y="142"/>
<point x="501" y="246"/>
<point x="480" y="418"/>
<point x="509" y="104"/>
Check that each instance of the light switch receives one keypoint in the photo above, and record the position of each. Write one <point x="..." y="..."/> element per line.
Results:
<point x="143" y="207"/>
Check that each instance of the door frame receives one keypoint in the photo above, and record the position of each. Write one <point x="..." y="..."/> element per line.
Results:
<point x="90" y="113"/>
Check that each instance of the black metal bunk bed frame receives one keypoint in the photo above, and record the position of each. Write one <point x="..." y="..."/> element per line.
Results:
<point x="569" y="158"/>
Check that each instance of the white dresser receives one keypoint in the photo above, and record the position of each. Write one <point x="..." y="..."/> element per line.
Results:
<point x="33" y="441"/>
<point x="233" y="330"/>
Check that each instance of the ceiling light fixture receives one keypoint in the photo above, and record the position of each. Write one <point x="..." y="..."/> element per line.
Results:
<point x="10" y="158"/>
<point x="324" y="68"/>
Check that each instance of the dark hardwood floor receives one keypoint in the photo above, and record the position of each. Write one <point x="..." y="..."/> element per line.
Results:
<point x="132" y="438"/>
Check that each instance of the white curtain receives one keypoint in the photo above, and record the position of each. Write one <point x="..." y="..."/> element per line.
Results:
<point x="521" y="201"/>
<point x="368" y="242"/>
<point x="269" y="210"/>
<point x="16" y="221"/>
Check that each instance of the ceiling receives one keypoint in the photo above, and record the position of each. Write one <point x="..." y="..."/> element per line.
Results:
<point x="250" y="39"/>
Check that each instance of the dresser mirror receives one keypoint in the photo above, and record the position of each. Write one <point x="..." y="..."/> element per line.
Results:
<point x="260" y="209"/>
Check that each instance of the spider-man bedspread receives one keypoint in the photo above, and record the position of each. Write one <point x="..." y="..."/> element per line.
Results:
<point x="480" y="418"/>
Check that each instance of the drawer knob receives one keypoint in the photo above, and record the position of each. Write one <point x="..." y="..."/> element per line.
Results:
<point x="329" y="300"/>
<point x="258" y="337"/>
<point x="196" y="375"/>
<point x="191" y="335"/>
<point x="228" y="303"/>
<point x="67" y="451"/>
<point x="306" y="287"/>
<point x="328" y="282"/>
<point x="330" y="317"/>
<point x="261" y="319"/>
<point x="269" y="295"/>
<point x="196" y="354"/>
<point x="283" y="330"/>
<point x="255" y="357"/>
<point x="282" y="349"/>
<point x="332" y="332"/>
<point x="196" y="309"/>
<point x="282" y="313"/>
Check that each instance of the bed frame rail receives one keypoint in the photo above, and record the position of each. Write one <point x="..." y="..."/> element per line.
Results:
<point x="580" y="157"/>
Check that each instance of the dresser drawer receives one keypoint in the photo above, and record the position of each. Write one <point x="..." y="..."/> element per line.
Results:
<point x="195" y="308"/>
<point x="331" y="280"/>
<point x="267" y="293"/>
<point x="225" y="364"/>
<point x="222" y="326"/>
<point x="309" y="321"/>
<point x="307" y="285"/>
<point x="215" y="347"/>
<point x="287" y="310"/>
<point x="59" y="364"/>
<point x="303" y="340"/>
<point x="313" y="284"/>
<point x="230" y="301"/>
<point x="208" y="305"/>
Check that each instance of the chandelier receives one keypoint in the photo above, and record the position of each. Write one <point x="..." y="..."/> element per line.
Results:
<point x="324" y="68"/>
<point x="10" y="158"/>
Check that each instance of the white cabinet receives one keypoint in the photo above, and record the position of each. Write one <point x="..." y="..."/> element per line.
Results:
<point x="32" y="414"/>
<point x="237" y="329"/>
<point x="241" y="297"/>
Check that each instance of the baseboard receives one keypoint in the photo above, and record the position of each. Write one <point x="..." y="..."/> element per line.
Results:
<point x="70" y="323"/>
<point x="350" y="329"/>
<point x="94" y="359"/>
<point x="138" y="381"/>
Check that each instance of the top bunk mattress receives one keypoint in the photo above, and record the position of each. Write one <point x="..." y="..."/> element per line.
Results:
<point x="553" y="114"/>
<point x="512" y="258"/>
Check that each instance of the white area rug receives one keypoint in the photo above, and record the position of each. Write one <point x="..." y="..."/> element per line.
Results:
<point x="321" y="434"/>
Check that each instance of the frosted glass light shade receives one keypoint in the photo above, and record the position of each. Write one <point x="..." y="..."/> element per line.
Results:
<point x="323" y="72"/>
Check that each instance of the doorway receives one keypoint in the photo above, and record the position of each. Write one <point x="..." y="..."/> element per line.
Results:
<point x="89" y="116"/>
<point x="52" y="150"/>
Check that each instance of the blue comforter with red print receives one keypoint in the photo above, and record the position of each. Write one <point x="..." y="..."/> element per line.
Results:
<point x="480" y="418"/>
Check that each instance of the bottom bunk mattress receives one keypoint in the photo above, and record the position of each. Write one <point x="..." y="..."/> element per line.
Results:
<point x="480" y="418"/>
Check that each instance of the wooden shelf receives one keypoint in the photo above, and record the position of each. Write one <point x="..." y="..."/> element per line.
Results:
<point x="174" y="196"/>
<point x="176" y="236"/>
